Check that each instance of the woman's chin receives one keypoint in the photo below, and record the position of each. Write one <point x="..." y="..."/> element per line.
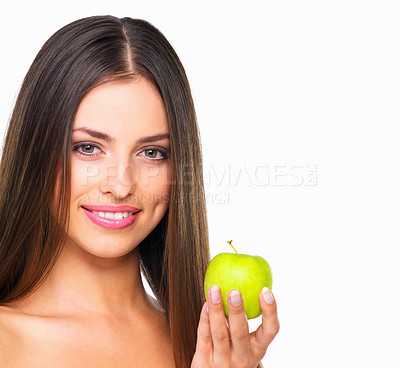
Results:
<point x="109" y="250"/>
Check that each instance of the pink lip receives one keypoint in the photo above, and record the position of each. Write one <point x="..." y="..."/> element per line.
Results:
<point x="111" y="208"/>
<point x="109" y="223"/>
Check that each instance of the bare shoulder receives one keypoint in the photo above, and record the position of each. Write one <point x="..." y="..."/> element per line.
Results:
<point x="7" y="331"/>
<point x="10" y="336"/>
<point x="17" y="331"/>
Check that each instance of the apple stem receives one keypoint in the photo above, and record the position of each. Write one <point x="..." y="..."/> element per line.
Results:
<point x="230" y="243"/>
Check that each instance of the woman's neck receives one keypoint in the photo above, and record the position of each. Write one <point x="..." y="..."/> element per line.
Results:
<point x="82" y="282"/>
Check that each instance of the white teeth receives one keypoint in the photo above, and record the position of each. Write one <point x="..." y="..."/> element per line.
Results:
<point x="113" y="215"/>
<point x="118" y="216"/>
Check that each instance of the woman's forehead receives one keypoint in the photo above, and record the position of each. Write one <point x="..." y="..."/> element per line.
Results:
<point x="123" y="107"/>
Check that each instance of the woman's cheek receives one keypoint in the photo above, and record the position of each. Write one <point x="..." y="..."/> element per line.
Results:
<point x="84" y="175"/>
<point x="153" y="186"/>
<point x="154" y="177"/>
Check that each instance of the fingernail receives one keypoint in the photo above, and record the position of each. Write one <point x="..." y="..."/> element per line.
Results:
<point x="235" y="297"/>
<point x="215" y="294"/>
<point x="267" y="295"/>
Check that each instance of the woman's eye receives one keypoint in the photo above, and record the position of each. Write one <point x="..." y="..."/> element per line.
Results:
<point x="86" y="149"/>
<point x="154" y="154"/>
<point x="151" y="153"/>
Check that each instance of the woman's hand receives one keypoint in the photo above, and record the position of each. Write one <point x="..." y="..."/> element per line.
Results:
<point x="229" y="347"/>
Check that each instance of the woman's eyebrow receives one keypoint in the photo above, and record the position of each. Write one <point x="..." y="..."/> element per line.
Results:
<point x="153" y="138"/>
<point x="96" y="134"/>
<point x="108" y="138"/>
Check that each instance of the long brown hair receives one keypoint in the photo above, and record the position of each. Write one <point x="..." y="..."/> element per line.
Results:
<point x="77" y="58"/>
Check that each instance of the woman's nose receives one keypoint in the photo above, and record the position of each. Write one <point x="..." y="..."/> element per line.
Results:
<point x="119" y="179"/>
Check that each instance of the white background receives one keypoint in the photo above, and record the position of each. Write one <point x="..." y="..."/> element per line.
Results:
<point x="298" y="108"/>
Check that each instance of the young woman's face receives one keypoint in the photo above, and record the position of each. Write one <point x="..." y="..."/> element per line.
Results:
<point x="120" y="167"/>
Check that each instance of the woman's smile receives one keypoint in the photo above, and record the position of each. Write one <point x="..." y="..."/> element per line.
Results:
<point x="111" y="217"/>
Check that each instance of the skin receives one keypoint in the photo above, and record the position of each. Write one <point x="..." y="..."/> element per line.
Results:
<point x="92" y="310"/>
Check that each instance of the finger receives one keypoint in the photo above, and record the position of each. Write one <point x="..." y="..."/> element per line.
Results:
<point x="238" y="326"/>
<point x="267" y="331"/>
<point x="218" y="327"/>
<point x="203" y="354"/>
<point x="204" y="339"/>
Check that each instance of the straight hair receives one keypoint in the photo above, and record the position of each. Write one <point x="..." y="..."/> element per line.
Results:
<point x="36" y="153"/>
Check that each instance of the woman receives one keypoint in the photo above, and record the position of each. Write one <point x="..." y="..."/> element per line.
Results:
<point x="101" y="179"/>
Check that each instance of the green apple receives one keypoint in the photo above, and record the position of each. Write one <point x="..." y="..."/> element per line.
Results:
<point x="249" y="274"/>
